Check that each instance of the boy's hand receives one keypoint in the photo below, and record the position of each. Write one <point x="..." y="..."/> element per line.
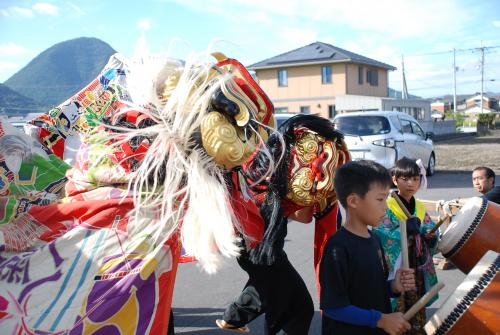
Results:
<point x="393" y="324"/>
<point x="403" y="281"/>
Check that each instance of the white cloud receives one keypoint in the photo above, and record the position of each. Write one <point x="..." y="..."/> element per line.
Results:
<point x="374" y="47"/>
<point x="7" y="69"/>
<point x="26" y="12"/>
<point x="76" y="9"/>
<point x="294" y="37"/>
<point x="144" y="24"/>
<point x="395" y="18"/>
<point x="46" y="8"/>
<point x="39" y="7"/>
<point x="13" y="49"/>
<point x="382" y="30"/>
<point x="6" y="65"/>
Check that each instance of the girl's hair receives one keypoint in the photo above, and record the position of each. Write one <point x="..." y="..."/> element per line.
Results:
<point x="405" y="167"/>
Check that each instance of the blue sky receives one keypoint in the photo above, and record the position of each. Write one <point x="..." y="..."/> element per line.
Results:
<point x="424" y="31"/>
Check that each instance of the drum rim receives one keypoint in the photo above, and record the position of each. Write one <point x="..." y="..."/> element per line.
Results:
<point x="468" y="298"/>
<point x="468" y="233"/>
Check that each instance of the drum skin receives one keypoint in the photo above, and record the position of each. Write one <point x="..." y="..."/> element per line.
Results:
<point x="485" y="237"/>
<point x="474" y="307"/>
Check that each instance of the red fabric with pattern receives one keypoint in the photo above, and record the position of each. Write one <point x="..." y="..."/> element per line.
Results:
<point x="244" y="85"/>
<point x="248" y="215"/>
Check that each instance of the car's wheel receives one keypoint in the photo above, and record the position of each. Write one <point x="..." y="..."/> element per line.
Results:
<point x="431" y="166"/>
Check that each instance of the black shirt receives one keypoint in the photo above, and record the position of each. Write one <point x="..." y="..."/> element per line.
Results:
<point x="493" y="195"/>
<point x="353" y="272"/>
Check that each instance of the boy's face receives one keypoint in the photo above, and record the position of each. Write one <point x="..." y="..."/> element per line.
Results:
<point x="371" y="208"/>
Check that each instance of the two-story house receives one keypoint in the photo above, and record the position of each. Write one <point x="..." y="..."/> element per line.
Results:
<point x="488" y="102"/>
<point x="308" y="79"/>
<point x="322" y="79"/>
<point x="441" y="106"/>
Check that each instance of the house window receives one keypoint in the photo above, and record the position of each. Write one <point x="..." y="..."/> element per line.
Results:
<point x="326" y="74"/>
<point x="420" y="113"/>
<point x="282" y="77"/>
<point x="360" y="75"/>
<point x="278" y="110"/>
<point x="305" y="110"/>
<point x="372" y="77"/>
<point x="331" y="111"/>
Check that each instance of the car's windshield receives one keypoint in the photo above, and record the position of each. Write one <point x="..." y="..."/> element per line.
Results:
<point x="280" y="119"/>
<point x="363" y="125"/>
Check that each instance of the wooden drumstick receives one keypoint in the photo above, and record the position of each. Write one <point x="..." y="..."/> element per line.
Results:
<point x="441" y="220"/>
<point x="404" y="246"/>
<point x="400" y="203"/>
<point x="423" y="301"/>
<point x="403" y="234"/>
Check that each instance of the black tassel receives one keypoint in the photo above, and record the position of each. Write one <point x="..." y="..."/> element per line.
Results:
<point x="275" y="189"/>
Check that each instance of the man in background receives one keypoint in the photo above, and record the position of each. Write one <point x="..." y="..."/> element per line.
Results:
<point x="483" y="179"/>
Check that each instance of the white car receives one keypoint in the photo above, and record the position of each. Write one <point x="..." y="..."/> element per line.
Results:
<point x="281" y="118"/>
<point x="385" y="137"/>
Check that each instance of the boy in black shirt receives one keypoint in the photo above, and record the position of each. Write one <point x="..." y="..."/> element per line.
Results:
<point x="353" y="274"/>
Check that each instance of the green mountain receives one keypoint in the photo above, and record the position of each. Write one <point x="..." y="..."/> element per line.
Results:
<point x="13" y="103"/>
<point x="62" y="70"/>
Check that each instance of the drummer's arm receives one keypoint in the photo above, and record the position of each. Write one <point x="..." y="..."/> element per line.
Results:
<point x="462" y="201"/>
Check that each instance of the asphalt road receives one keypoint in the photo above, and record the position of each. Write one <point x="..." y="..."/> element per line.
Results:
<point x="200" y="298"/>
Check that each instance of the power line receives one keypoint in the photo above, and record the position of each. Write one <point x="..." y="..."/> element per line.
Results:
<point x="449" y="51"/>
<point x="468" y="67"/>
<point x="447" y="85"/>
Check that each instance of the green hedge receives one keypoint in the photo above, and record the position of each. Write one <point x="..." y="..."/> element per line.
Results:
<point x="486" y="118"/>
<point x="458" y="117"/>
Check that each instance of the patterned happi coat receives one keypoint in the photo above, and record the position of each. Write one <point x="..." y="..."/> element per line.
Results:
<point x="72" y="258"/>
<point x="388" y="232"/>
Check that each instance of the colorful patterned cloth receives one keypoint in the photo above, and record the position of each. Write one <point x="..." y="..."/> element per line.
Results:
<point x="72" y="258"/>
<point x="29" y="173"/>
<point x="388" y="232"/>
<point x="61" y="130"/>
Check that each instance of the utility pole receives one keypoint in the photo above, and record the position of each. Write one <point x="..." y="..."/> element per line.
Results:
<point x="482" y="76"/>
<point x="404" y="88"/>
<point x="454" y="84"/>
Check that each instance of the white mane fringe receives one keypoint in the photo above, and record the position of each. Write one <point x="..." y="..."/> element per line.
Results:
<point x="177" y="183"/>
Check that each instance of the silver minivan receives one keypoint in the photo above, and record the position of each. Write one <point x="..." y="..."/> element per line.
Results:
<point x="385" y="137"/>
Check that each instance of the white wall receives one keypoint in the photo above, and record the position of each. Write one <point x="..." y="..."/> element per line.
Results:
<point x="350" y="102"/>
<point x="439" y="127"/>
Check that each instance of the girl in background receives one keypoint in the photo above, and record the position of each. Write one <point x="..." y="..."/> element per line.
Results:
<point x="409" y="177"/>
